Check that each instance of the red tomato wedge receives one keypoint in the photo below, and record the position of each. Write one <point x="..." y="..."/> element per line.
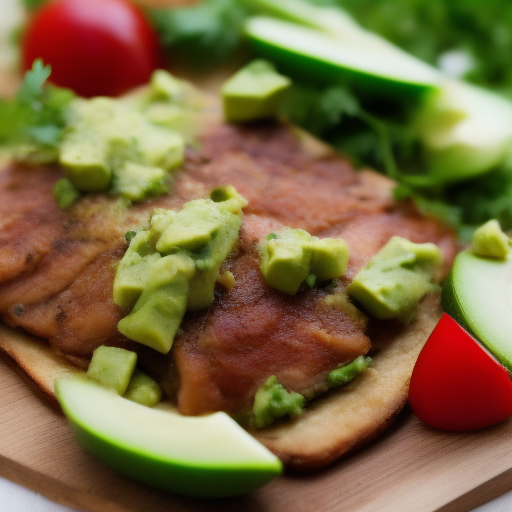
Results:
<point x="95" y="47"/>
<point x="456" y="384"/>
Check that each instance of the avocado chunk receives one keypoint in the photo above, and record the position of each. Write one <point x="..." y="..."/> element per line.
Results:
<point x="254" y="92"/>
<point x="112" y="367"/>
<point x="143" y="390"/>
<point x="344" y="374"/>
<point x="396" y="278"/>
<point x="477" y="295"/>
<point x="157" y="314"/>
<point x="273" y="401"/>
<point x="134" y="269"/>
<point x="208" y="230"/>
<point x="193" y="227"/>
<point x="286" y="259"/>
<point x="65" y="194"/>
<point x="173" y="265"/>
<point x="329" y="259"/>
<point x="292" y="256"/>
<point x="111" y="146"/>
<point x="84" y="159"/>
<point x="489" y="241"/>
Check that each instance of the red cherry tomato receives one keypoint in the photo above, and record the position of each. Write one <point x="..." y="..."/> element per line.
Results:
<point x="456" y="384"/>
<point x="95" y="47"/>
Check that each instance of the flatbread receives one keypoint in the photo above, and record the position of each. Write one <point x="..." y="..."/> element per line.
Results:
<point x="334" y="425"/>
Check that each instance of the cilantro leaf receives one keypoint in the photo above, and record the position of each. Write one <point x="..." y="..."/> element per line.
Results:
<point x="31" y="124"/>
<point x="31" y="89"/>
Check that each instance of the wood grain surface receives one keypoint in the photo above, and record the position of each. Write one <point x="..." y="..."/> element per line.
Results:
<point x="412" y="467"/>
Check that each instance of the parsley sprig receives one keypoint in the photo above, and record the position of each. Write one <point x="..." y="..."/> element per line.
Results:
<point x="33" y="121"/>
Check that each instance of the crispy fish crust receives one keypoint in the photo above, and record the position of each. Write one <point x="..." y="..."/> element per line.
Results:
<point x="287" y="183"/>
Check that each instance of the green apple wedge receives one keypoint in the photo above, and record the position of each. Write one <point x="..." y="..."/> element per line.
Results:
<point x="207" y="456"/>
<point x="478" y="294"/>
<point x="465" y="131"/>
<point x="356" y="55"/>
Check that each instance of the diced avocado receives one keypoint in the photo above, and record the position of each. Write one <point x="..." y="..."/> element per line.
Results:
<point x="165" y="89"/>
<point x="164" y="86"/>
<point x="209" y="230"/>
<point x="161" y="147"/>
<point x="255" y="92"/>
<point x="226" y="279"/>
<point x="209" y="260"/>
<point x="228" y="199"/>
<point x="346" y="373"/>
<point x="111" y="145"/>
<point x="194" y="243"/>
<point x="293" y="256"/>
<point x="112" y="367"/>
<point x="311" y="280"/>
<point x="286" y="258"/>
<point x="65" y="194"/>
<point x="143" y="390"/>
<point x="396" y="278"/>
<point x="160" y="220"/>
<point x="329" y="259"/>
<point x="273" y="401"/>
<point x="85" y="162"/>
<point x="193" y="227"/>
<point x="136" y="182"/>
<point x="134" y="270"/>
<point x="489" y="241"/>
<point x="158" y="312"/>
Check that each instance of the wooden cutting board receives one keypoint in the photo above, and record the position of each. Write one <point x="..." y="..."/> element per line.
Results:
<point x="412" y="467"/>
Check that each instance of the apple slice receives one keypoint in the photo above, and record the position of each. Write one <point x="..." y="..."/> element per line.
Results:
<point x="206" y="456"/>
<point x="364" y="58"/>
<point x="478" y="294"/>
<point x="465" y="131"/>
<point x="456" y="384"/>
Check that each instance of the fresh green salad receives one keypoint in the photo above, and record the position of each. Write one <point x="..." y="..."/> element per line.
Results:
<point x="462" y="178"/>
<point x="386" y="83"/>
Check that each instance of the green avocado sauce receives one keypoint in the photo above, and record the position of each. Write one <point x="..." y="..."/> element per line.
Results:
<point x="129" y="146"/>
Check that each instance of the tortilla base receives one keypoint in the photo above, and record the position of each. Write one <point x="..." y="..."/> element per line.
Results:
<point x="344" y="420"/>
<point x="332" y="426"/>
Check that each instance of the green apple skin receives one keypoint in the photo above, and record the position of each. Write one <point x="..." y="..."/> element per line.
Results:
<point x="372" y="67"/>
<point x="465" y="130"/>
<point x="208" y="456"/>
<point x="478" y="294"/>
